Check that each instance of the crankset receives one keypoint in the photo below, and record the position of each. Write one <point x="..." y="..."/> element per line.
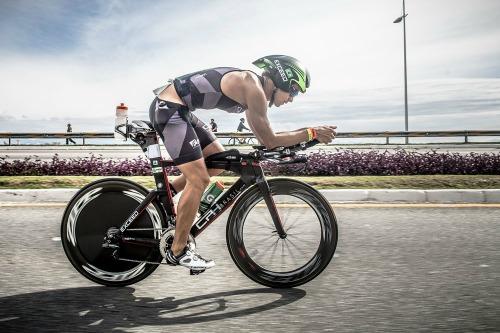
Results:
<point x="167" y="238"/>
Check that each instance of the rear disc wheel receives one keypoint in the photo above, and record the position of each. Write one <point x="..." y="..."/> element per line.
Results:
<point x="94" y="210"/>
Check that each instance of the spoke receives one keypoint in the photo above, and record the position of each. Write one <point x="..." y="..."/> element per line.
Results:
<point x="297" y="247"/>
<point x="259" y="234"/>
<point x="282" y="253"/>
<point x="299" y="218"/>
<point x="268" y="237"/>
<point x="307" y="226"/>
<point x="302" y="239"/>
<point x="262" y="222"/>
<point x="275" y="244"/>
<point x="285" y="217"/>
<point x="269" y="219"/>
<point x="291" y="253"/>
<point x="261" y="245"/>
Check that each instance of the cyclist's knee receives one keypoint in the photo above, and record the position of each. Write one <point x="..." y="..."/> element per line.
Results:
<point x="196" y="174"/>
<point x="199" y="181"/>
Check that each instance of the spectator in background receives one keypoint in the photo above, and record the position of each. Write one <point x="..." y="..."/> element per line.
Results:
<point x="213" y="124"/>
<point x="69" y="130"/>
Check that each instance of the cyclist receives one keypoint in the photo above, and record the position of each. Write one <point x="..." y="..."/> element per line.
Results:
<point x="241" y="128"/>
<point x="188" y="140"/>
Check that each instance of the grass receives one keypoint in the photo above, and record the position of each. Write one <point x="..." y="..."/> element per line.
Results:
<point x="345" y="182"/>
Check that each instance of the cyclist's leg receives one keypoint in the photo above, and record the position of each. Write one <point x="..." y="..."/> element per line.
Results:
<point x="209" y="145"/>
<point x="197" y="178"/>
<point x="171" y="121"/>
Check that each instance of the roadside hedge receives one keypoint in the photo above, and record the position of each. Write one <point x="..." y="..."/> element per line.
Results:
<point x="341" y="163"/>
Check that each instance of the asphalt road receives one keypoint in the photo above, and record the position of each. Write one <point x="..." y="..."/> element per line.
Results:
<point x="122" y="152"/>
<point x="396" y="269"/>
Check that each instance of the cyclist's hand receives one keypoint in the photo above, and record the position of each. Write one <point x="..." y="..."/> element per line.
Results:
<point x="326" y="133"/>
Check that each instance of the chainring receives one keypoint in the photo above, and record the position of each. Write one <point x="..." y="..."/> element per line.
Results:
<point x="167" y="238"/>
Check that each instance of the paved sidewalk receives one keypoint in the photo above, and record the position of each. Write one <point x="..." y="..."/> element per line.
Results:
<point x="357" y="196"/>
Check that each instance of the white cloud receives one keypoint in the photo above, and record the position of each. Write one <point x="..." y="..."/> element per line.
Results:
<point x="353" y="49"/>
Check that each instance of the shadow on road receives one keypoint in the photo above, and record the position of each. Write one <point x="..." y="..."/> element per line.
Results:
<point x="105" y="309"/>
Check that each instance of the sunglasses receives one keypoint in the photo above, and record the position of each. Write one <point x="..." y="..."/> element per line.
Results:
<point x="294" y="91"/>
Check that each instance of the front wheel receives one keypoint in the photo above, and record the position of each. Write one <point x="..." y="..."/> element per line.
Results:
<point x="308" y="247"/>
<point x="95" y="209"/>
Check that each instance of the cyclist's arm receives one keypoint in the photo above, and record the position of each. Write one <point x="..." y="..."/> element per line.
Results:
<point x="259" y="123"/>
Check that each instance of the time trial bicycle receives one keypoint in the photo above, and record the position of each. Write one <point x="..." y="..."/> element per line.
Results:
<point x="280" y="233"/>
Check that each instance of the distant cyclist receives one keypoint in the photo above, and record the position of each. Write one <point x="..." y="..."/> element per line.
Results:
<point x="188" y="140"/>
<point x="241" y="128"/>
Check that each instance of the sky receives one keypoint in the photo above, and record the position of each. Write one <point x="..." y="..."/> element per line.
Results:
<point x="74" y="61"/>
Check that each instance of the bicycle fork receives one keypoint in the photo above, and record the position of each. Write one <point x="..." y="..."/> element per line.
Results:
<point x="271" y="206"/>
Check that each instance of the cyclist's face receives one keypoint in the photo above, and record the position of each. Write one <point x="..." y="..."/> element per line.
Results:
<point x="283" y="97"/>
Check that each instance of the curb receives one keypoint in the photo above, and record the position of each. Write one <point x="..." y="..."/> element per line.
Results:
<point x="357" y="196"/>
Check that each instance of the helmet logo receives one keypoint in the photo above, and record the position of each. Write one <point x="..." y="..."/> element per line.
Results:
<point x="280" y="70"/>
<point x="289" y="72"/>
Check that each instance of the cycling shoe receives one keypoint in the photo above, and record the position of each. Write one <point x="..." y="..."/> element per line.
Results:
<point x="189" y="258"/>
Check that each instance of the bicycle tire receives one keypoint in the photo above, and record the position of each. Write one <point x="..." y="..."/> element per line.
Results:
<point x="90" y="213"/>
<point x="247" y="262"/>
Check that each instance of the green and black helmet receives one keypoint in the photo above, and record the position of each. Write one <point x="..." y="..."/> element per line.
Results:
<point x="284" y="71"/>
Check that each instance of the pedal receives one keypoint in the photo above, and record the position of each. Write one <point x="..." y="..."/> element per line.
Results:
<point x="195" y="271"/>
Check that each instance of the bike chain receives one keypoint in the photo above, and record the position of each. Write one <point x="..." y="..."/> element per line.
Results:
<point x="191" y="271"/>
<point x="143" y="261"/>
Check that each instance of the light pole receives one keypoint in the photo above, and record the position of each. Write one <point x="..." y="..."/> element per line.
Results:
<point x="399" y="19"/>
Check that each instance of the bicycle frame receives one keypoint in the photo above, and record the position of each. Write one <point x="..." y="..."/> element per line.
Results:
<point x="249" y="169"/>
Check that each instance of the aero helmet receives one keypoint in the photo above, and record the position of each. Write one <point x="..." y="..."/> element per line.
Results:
<point x="284" y="71"/>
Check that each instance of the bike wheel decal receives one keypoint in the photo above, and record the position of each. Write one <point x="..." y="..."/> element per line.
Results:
<point x="75" y="212"/>
<point x="71" y="233"/>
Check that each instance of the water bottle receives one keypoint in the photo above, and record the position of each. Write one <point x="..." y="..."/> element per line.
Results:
<point x="121" y="119"/>
<point x="212" y="193"/>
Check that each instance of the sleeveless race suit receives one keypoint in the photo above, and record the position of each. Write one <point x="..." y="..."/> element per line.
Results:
<point x="184" y="135"/>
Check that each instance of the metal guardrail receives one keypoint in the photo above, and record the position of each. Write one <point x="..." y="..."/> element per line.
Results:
<point x="230" y="135"/>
